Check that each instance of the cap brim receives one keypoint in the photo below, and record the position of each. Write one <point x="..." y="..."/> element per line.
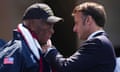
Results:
<point x="54" y="19"/>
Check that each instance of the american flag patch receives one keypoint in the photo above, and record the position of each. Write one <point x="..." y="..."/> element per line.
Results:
<point x="8" y="60"/>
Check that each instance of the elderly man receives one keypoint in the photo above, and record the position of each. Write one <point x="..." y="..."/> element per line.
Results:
<point x="24" y="52"/>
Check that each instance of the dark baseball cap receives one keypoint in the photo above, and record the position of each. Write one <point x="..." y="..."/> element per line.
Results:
<point x="41" y="11"/>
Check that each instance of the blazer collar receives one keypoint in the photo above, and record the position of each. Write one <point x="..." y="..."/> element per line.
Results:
<point x="97" y="33"/>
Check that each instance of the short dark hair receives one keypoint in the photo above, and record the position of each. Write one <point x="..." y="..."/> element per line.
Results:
<point x="93" y="9"/>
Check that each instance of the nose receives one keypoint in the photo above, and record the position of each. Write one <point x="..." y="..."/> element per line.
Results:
<point x="74" y="28"/>
<point x="52" y="30"/>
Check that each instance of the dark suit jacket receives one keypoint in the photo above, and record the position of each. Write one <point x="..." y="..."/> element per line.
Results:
<point x="94" y="55"/>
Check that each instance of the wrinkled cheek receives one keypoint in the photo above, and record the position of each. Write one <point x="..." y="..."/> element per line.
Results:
<point x="42" y="39"/>
<point x="45" y="36"/>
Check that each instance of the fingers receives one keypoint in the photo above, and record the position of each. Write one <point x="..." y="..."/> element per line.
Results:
<point x="49" y="43"/>
<point x="46" y="46"/>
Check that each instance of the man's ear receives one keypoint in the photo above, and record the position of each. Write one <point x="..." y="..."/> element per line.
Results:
<point x="28" y="23"/>
<point x="31" y="25"/>
<point x="89" y="19"/>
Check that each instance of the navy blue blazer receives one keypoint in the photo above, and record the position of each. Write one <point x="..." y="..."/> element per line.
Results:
<point x="94" y="55"/>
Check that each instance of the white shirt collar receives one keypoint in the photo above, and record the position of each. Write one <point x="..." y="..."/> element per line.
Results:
<point x="94" y="33"/>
